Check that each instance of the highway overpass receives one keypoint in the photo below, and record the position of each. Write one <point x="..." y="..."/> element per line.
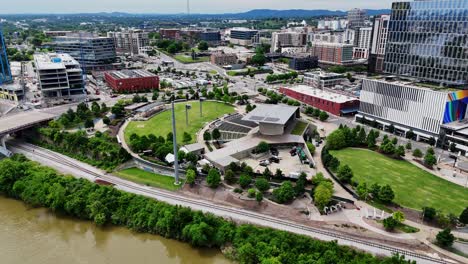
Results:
<point x="10" y="124"/>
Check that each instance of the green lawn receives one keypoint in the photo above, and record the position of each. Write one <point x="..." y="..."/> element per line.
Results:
<point x="161" y="124"/>
<point x="414" y="187"/>
<point x="299" y="128"/>
<point x="188" y="59"/>
<point x="148" y="178"/>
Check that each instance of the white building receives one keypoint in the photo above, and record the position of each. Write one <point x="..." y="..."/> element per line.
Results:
<point x="321" y="80"/>
<point x="361" y="51"/>
<point x="287" y="39"/>
<point x="132" y="41"/>
<point x="405" y="106"/>
<point x="378" y="44"/>
<point x="58" y="75"/>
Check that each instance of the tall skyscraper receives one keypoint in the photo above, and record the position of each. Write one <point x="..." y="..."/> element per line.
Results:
<point x="356" y="17"/>
<point x="378" y="43"/>
<point x="427" y="40"/>
<point x="5" y="72"/>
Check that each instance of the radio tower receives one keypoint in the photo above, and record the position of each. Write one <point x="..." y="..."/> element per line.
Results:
<point x="188" y="7"/>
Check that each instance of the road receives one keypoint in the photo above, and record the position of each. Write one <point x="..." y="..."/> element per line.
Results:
<point x="78" y="169"/>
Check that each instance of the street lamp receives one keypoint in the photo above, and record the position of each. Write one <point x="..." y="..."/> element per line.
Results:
<point x="174" y="143"/>
<point x="201" y="107"/>
<point x="187" y="107"/>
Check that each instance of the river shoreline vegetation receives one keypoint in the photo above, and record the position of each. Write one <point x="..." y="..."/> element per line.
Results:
<point x="40" y="186"/>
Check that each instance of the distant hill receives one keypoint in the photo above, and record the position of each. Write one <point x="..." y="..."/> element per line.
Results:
<point x="252" y="14"/>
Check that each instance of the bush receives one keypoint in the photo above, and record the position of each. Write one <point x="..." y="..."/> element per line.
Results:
<point x="399" y="216"/>
<point x="323" y="194"/>
<point x="262" y="147"/>
<point x="429" y="159"/>
<point x="311" y="147"/>
<point x="190" y="176"/>
<point x="251" y="193"/>
<point x="262" y="184"/>
<point x="259" y="196"/>
<point x="417" y="153"/>
<point x="323" y="116"/>
<point x="429" y="213"/>
<point x="445" y="238"/>
<point x="245" y="180"/>
<point x="229" y="177"/>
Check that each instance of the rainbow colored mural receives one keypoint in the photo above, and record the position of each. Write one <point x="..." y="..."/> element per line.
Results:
<point x="455" y="108"/>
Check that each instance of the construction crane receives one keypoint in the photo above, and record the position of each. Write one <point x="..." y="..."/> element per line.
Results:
<point x="188" y="7"/>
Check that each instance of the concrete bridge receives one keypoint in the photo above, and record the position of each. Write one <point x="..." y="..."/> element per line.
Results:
<point x="14" y="123"/>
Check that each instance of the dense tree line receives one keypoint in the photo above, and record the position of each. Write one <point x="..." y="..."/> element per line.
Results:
<point x="280" y="77"/>
<point x="100" y="150"/>
<point x="43" y="187"/>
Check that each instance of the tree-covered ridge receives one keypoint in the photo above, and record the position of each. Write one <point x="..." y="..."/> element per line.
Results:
<point x="41" y="186"/>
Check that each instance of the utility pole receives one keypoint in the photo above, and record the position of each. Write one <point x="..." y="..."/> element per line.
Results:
<point x="201" y="107"/>
<point x="174" y="143"/>
<point x="187" y="107"/>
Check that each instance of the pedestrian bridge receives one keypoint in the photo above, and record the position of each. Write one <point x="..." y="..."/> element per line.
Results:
<point x="16" y="122"/>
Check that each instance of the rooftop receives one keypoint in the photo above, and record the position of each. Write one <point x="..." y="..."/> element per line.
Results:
<point x="322" y="94"/>
<point x="323" y="74"/>
<point x="244" y="29"/>
<point x="414" y="84"/>
<point x="273" y="114"/>
<point x="331" y="44"/>
<point x="129" y="74"/>
<point x="45" y="61"/>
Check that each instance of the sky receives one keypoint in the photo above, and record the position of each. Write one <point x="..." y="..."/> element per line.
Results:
<point x="179" y="6"/>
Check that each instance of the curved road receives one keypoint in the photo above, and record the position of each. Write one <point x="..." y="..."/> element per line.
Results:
<point x="76" y="168"/>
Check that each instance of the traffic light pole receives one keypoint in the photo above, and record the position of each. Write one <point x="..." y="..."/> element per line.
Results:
<point x="174" y="142"/>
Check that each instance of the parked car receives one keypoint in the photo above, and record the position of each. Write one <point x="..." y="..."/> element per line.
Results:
<point x="274" y="151"/>
<point x="274" y="159"/>
<point x="264" y="163"/>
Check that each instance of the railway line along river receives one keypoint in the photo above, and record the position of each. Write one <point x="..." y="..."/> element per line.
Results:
<point x="30" y="235"/>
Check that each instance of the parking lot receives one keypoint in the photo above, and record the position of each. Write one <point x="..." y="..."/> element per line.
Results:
<point x="288" y="164"/>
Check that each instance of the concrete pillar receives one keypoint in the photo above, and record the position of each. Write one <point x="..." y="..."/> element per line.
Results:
<point x="2" y="141"/>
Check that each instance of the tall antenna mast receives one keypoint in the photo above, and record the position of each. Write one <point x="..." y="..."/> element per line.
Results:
<point x="188" y="7"/>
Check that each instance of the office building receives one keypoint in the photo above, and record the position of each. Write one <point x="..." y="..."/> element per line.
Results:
<point x="5" y="71"/>
<point x="287" y="39"/>
<point x="170" y="33"/>
<point x="331" y="102"/>
<point x="378" y="43"/>
<point x="243" y="36"/>
<point x="332" y="24"/>
<point x="223" y="59"/>
<point x="409" y="107"/>
<point x="130" y="41"/>
<point x="131" y="80"/>
<point x="361" y="51"/>
<point x="332" y="53"/>
<point x="210" y="36"/>
<point x="427" y="40"/>
<point x="356" y="18"/>
<point x="92" y="52"/>
<point x="321" y="79"/>
<point x="303" y="62"/>
<point x="57" y="33"/>
<point x="58" y="75"/>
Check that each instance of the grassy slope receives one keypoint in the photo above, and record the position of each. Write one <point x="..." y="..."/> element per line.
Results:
<point x="299" y="128"/>
<point x="187" y="59"/>
<point x="414" y="187"/>
<point x="161" y="124"/>
<point x="148" y="178"/>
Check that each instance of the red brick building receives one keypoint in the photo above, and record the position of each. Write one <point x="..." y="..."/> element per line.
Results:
<point x="131" y="80"/>
<point x="332" y="53"/>
<point x="170" y="33"/>
<point x="333" y="103"/>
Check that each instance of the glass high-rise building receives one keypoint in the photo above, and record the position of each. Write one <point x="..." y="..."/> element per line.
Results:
<point x="5" y="72"/>
<point x="428" y="40"/>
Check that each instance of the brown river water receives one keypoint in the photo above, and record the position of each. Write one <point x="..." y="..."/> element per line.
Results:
<point x="39" y="236"/>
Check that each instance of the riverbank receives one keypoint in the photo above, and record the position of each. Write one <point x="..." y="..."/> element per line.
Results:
<point x="104" y="205"/>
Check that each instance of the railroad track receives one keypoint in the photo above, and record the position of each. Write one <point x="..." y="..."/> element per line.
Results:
<point x="177" y="198"/>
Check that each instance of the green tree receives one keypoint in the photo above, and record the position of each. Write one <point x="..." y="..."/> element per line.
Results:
<point x="229" y="177"/>
<point x="245" y="180"/>
<point x="408" y="146"/>
<point x="187" y="138"/>
<point x="445" y="238"/>
<point x="362" y="190"/>
<point x="390" y="223"/>
<point x="251" y="193"/>
<point x="259" y="197"/>
<point x="96" y="109"/>
<point x="323" y="116"/>
<point x="214" y="178"/>
<point x="203" y="46"/>
<point x="345" y="174"/>
<point x="400" y="151"/>
<point x="118" y="110"/>
<point x="216" y="134"/>
<point x="106" y="120"/>
<point x="207" y="136"/>
<point x="336" y="140"/>
<point x="262" y="184"/>
<point x="323" y="194"/>
<point x="374" y="190"/>
<point x="284" y="193"/>
<point x="399" y="216"/>
<point x="417" y="153"/>
<point x="262" y="147"/>
<point x="190" y="176"/>
<point x="386" y="194"/>
<point x="362" y="136"/>
<point x="258" y="59"/>
<point x="430" y="160"/>
<point x="464" y="216"/>
<point x="89" y="123"/>
<point x="429" y="213"/>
